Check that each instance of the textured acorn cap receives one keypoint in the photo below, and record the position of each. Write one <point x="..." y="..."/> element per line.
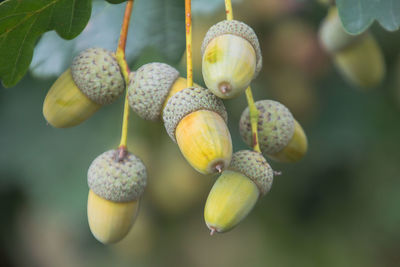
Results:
<point x="332" y="35"/>
<point x="148" y="91"/>
<point x="187" y="101"/>
<point x="275" y="126"/>
<point x="118" y="181"/>
<point x="238" y="28"/>
<point x="254" y="166"/>
<point x="97" y="74"/>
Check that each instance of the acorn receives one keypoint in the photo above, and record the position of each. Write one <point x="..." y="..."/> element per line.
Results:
<point x="196" y="120"/>
<point x="151" y="86"/>
<point x="115" y="188"/>
<point x="280" y="136"/>
<point x="236" y="191"/>
<point x="174" y="193"/>
<point x="357" y="57"/>
<point x="231" y="58"/>
<point x="93" y="80"/>
<point x="149" y="89"/>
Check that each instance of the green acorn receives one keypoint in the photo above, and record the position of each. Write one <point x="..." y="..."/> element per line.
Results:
<point x="196" y="120"/>
<point x="358" y="57"/>
<point x="115" y="188"/>
<point x="236" y="191"/>
<point x="231" y="58"/>
<point x="280" y="136"/>
<point x="94" y="79"/>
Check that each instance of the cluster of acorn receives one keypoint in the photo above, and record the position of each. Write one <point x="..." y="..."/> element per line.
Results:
<point x="195" y="118"/>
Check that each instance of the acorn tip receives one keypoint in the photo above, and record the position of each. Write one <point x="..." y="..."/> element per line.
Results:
<point x="224" y="87"/>
<point x="219" y="167"/>
<point x="212" y="231"/>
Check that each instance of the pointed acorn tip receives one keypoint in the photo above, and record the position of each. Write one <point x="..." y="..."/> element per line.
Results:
<point x="225" y="87"/>
<point x="219" y="167"/>
<point x="212" y="231"/>
<point x="277" y="173"/>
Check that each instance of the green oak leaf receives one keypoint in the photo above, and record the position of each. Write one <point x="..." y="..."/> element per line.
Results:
<point x="156" y="25"/>
<point x="358" y="15"/>
<point x="22" y="22"/>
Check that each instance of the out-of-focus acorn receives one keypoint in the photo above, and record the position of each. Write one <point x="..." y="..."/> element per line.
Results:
<point x="115" y="188"/>
<point x="94" y="79"/>
<point x="231" y="58"/>
<point x="358" y="57"/>
<point x="280" y="136"/>
<point x="175" y="193"/>
<point x="196" y="120"/>
<point x="236" y="191"/>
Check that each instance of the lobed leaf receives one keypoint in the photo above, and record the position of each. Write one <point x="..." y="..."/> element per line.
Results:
<point x="156" y="24"/>
<point x="22" y="23"/>
<point x="358" y="15"/>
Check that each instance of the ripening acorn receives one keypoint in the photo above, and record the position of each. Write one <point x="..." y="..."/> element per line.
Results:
<point x="94" y="79"/>
<point x="196" y="120"/>
<point x="237" y="190"/>
<point x="115" y="188"/>
<point x="280" y="136"/>
<point x="231" y="58"/>
<point x="357" y="57"/>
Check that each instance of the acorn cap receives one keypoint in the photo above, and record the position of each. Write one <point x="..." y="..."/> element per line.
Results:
<point x="148" y="91"/>
<point x="118" y="181"/>
<point x="275" y="126"/>
<point x="238" y="28"/>
<point x="97" y="74"/>
<point x="255" y="167"/>
<point x="187" y="101"/>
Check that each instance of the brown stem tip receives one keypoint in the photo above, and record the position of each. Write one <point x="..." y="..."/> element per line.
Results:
<point x="122" y="153"/>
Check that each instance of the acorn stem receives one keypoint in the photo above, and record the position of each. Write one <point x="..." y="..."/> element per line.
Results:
<point x="253" y="119"/>
<point x="228" y="9"/>
<point x="249" y="95"/>
<point x="189" y="62"/>
<point x="120" y="55"/>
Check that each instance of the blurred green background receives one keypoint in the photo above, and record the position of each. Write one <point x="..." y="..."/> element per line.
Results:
<point x="339" y="206"/>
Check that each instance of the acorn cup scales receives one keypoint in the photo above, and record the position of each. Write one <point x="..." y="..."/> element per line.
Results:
<point x="280" y="136"/>
<point x="196" y="120"/>
<point x="115" y="188"/>
<point x="231" y="58"/>
<point x="94" y="79"/>
<point x="236" y="190"/>
<point x="151" y="86"/>
<point x="149" y="89"/>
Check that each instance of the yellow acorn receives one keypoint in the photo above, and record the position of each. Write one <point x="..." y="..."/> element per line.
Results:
<point x="196" y="120"/>
<point x="280" y="136"/>
<point x="93" y="80"/>
<point x="236" y="191"/>
<point x="115" y="188"/>
<point x="357" y="57"/>
<point x="231" y="58"/>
